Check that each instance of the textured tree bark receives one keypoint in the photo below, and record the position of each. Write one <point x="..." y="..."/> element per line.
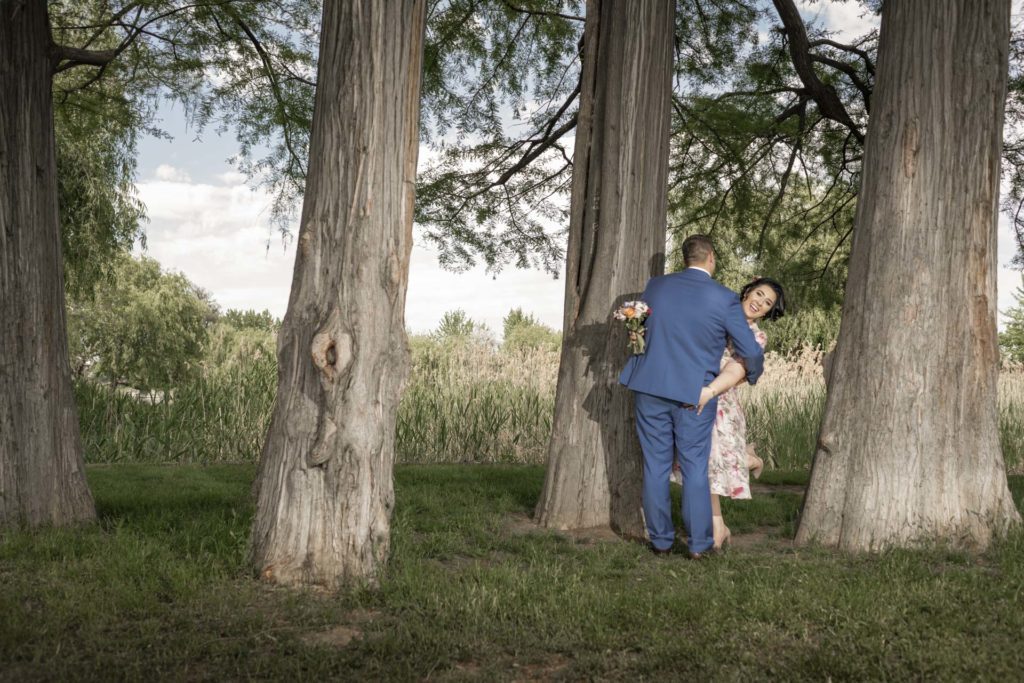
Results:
<point x="909" y="443"/>
<point x="324" y="489"/>
<point x="616" y="242"/>
<point x="42" y="473"/>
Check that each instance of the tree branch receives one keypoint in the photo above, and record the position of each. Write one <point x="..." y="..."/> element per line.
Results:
<point x="275" y="87"/>
<point x="497" y="65"/>
<point x="784" y="182"/>
<point x="534" y="151"/>
<point x="542" y="13"/>
<point x="73" y="56"/>
<point x="831" y="256"/>
<point x="863" y="54"/>
<point x="824" y="95"/>
<point x="854" y="77"/>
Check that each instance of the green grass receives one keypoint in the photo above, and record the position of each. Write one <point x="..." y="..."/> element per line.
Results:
<point x="158" y="589"/>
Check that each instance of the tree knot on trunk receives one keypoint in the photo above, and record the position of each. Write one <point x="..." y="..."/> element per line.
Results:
<point x="325" y="445"/>
<point x="331" y="349"/>
<point x="911" y="145"/>
<point x="395" y="276"/>
<point x="306" y="244"/>
<point x="332" y="354"/>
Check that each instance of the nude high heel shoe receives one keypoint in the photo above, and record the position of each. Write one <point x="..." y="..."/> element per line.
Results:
<point x="722" y="534"/>
<point x="754" y="464"/>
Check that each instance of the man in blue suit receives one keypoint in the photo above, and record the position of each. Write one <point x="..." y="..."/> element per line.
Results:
<point x="691" y="319"/>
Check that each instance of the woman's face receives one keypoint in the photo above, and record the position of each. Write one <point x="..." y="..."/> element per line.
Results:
<point x="758" y="302"/>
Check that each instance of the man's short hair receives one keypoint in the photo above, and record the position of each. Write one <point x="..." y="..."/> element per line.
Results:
<point x="697" y="249"/>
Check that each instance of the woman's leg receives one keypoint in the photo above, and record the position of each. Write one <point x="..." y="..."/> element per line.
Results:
<point x="721" y="531"/>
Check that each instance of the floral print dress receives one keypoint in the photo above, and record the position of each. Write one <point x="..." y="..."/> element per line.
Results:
<point x="727" y="464"/>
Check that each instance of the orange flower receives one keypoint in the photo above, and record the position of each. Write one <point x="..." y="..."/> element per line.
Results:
<point x="630" y="312"/>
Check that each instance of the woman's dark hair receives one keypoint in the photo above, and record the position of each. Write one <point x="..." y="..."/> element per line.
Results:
<point x="779" y="308"/>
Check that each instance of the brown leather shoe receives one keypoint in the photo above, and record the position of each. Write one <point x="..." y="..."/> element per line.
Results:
<point x="660" y="552"/>
<point x="705" y="555"/>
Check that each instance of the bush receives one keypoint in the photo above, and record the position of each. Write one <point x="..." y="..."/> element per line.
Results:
<point x="813" y="327"/>
<point x="1011" y="339"/>
<point x="141" y="327"/>
<point x="231" y="347"/>
<point x="523" y="333"/>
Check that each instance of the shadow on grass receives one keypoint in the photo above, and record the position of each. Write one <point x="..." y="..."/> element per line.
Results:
<point x="141" y="492"/>
<point x="161" y="590"/>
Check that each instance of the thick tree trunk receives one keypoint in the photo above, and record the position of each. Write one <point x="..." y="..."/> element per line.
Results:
<point x="42" y="474"/>
<point x="325" y="489"/>
<point x="616" y="242"/>
<point x="909" y="442"/>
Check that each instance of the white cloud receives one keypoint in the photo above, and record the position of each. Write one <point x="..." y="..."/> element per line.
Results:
<point x="171" y="174"/>
<point x="218" y="236"/>
<point x="1007" y="279"/>
<point x="845" y="20"/>
<point x="232" y="178"/>
<point x="484" y="298"/>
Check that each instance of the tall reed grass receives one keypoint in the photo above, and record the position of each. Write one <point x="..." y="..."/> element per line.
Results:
<point x="220" y="417"/>
<point x="1011" y="417"/>
<point x="467" y="400"/>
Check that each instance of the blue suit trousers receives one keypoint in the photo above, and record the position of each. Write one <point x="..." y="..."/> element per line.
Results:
<point x="665" y="427"/>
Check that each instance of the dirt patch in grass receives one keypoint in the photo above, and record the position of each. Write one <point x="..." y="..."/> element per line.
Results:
<point x="549" y="668"/>
<point x="363" y="616"/>
<point x="468" y="669"/>
<point x="459" y="562"/>
<point x="518" y="524"/>
<point x="343" y="634"/>
<point x="761" y="538"/>
<point x="336" y="637"/>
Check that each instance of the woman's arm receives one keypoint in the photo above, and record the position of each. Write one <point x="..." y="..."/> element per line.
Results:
<point x="732" y="374"/>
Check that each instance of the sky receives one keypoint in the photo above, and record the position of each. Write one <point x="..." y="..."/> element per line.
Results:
<point x="205" y="222"/>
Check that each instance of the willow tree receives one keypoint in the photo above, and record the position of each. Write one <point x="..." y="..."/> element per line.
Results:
<point x="324" y="488"/>
<point x="909" y="442"/>
<point x="616" y="242"/>
<point x="103" y="64"/>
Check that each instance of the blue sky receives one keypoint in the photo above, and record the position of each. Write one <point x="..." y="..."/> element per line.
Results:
<point x="208" y="224"/>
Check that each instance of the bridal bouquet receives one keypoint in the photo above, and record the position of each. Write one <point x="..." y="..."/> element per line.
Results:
<point x="634" y="313"/>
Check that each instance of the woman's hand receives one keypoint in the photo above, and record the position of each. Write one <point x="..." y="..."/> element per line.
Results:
<point x="706" y="394"/>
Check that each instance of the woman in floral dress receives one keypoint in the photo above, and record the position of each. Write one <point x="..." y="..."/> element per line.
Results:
<point x="732" y="459"/>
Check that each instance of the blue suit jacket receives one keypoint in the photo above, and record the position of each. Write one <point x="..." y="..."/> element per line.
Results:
<point x="692" y="316"/>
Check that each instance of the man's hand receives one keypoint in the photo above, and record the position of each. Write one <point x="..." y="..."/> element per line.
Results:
<point x="706" y="394"/>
